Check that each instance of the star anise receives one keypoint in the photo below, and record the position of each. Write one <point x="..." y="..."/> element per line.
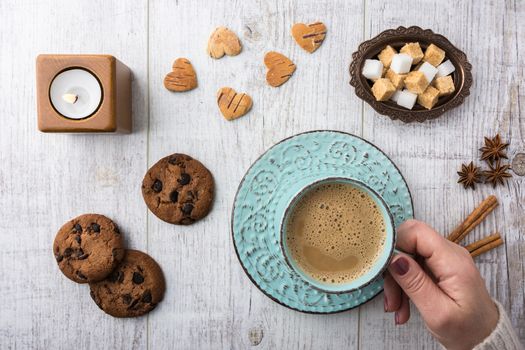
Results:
<point x="497" y="173"/>
<point x="469" y="175"/>
<point x="494" y="149"/>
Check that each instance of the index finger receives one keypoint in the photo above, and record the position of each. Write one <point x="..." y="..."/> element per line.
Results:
<point x="416" y="237"/>
<point x="444" y="259"/>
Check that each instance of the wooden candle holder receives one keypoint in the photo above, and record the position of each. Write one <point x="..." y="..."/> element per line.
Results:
<point x="114" y="111"/>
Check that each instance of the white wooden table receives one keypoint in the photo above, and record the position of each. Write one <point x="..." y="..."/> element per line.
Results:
<point x="45" y="179"/>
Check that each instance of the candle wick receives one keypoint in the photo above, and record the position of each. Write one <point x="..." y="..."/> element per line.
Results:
<point x="70" y="98"/>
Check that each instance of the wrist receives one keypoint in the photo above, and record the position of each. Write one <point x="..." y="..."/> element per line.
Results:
<point x="473" y="330"/>
<point x="490" y="318"/>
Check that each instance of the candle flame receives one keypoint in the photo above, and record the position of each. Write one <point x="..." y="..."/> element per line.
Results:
<point x="70" y="98"/>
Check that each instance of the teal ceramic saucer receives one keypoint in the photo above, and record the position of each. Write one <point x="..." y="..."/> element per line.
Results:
<point x="270" y="184"/>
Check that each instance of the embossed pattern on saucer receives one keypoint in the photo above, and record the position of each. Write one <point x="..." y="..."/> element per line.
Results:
<point x="270" y="184"/>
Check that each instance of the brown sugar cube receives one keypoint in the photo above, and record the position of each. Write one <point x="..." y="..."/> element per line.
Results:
<point x="434" y="55"/>
<point x="429" y="98"/>
<point x="398" y="80"/>
<point x="416" y="82"/>
<point x="385" y="56"/>
<point x="414" y="50"/>
<point x="445" y="85"/>
<point x="383" y="89"/>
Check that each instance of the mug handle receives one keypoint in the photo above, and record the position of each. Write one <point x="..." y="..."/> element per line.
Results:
<point x="398" y="252"/>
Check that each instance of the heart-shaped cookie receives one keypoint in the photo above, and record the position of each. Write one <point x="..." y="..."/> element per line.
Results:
<point x="309" y="36"/>
<point x="182" y="77"/>
<point x="280" y="68"/>
<point x="223" y="42"/>
<point x="232" y="104"/>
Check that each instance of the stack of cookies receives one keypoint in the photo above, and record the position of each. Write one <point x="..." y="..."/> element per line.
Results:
<point x="123" y="282"/>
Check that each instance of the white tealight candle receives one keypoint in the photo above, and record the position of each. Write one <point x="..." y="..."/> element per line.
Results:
<point x="75" y="93"/>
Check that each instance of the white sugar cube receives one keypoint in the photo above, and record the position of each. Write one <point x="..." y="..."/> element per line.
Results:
<point x="373" y="69"/>
<point x="395" y="96"/>
<point x="445" y="69"/>
<point x="406" y="99"/>
<point x="401" y="63"/>
<point x="429" y="71"/>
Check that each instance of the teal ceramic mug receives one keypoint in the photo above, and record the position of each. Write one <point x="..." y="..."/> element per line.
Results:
<point x="384" y="257"/>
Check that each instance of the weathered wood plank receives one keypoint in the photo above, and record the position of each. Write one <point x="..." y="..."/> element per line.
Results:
<point x="513" y="115"/>
<point x="210" y="302"/>
<point x="429" y="154"/>
<point x="45" y="179"/>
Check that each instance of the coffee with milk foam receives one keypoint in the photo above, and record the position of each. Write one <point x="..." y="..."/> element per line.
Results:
<point x="335" y="233"/>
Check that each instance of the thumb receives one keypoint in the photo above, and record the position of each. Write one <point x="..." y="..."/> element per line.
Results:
<point x="417" y="285"/>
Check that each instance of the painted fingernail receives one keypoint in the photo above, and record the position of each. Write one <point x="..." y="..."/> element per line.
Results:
<point x="400" y="266"/>
<point x="386" y="304"/>
<point x="396" y="318"/>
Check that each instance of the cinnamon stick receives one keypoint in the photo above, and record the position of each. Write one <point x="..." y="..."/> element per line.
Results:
<point x="478" y="244"/>
<point x="486" y="247"/>
<point x="473" y="220"/>
<point x="476" y="222"/>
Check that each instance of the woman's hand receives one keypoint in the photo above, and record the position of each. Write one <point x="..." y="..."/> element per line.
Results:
<point x="446" y="288"/>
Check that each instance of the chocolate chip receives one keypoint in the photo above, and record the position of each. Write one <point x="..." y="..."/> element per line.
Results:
<point x="146" y="297"/>
<point x="187" y="221"/>
<point x="174" y="196"/>
<point x="116" y="276"/>
<point x="77" y="228"/>
<point x="172" y="160"/>
<point x="187" y="208"/>
<point x="184" y="179"/>
<point x="81" y="275"/>
<point x="157" y="186"/>
<point x="59" y="258"/>
<point x="117" y="230"/>
<point x="126" y="298"/>
<point x="68" y="252"/>
<point x="95" y="227"/>
<point x="78" y="239"/>
<point x="95" y="299"/>
<point x="133" y="303"/>
<point x="81" y="255"/>
<point x="137" y="278"/>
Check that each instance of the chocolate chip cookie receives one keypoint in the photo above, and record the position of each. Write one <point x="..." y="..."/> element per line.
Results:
<point x="135" y="287"/>
<point x="178" y="189"/>
<point x="88" y="248"/>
